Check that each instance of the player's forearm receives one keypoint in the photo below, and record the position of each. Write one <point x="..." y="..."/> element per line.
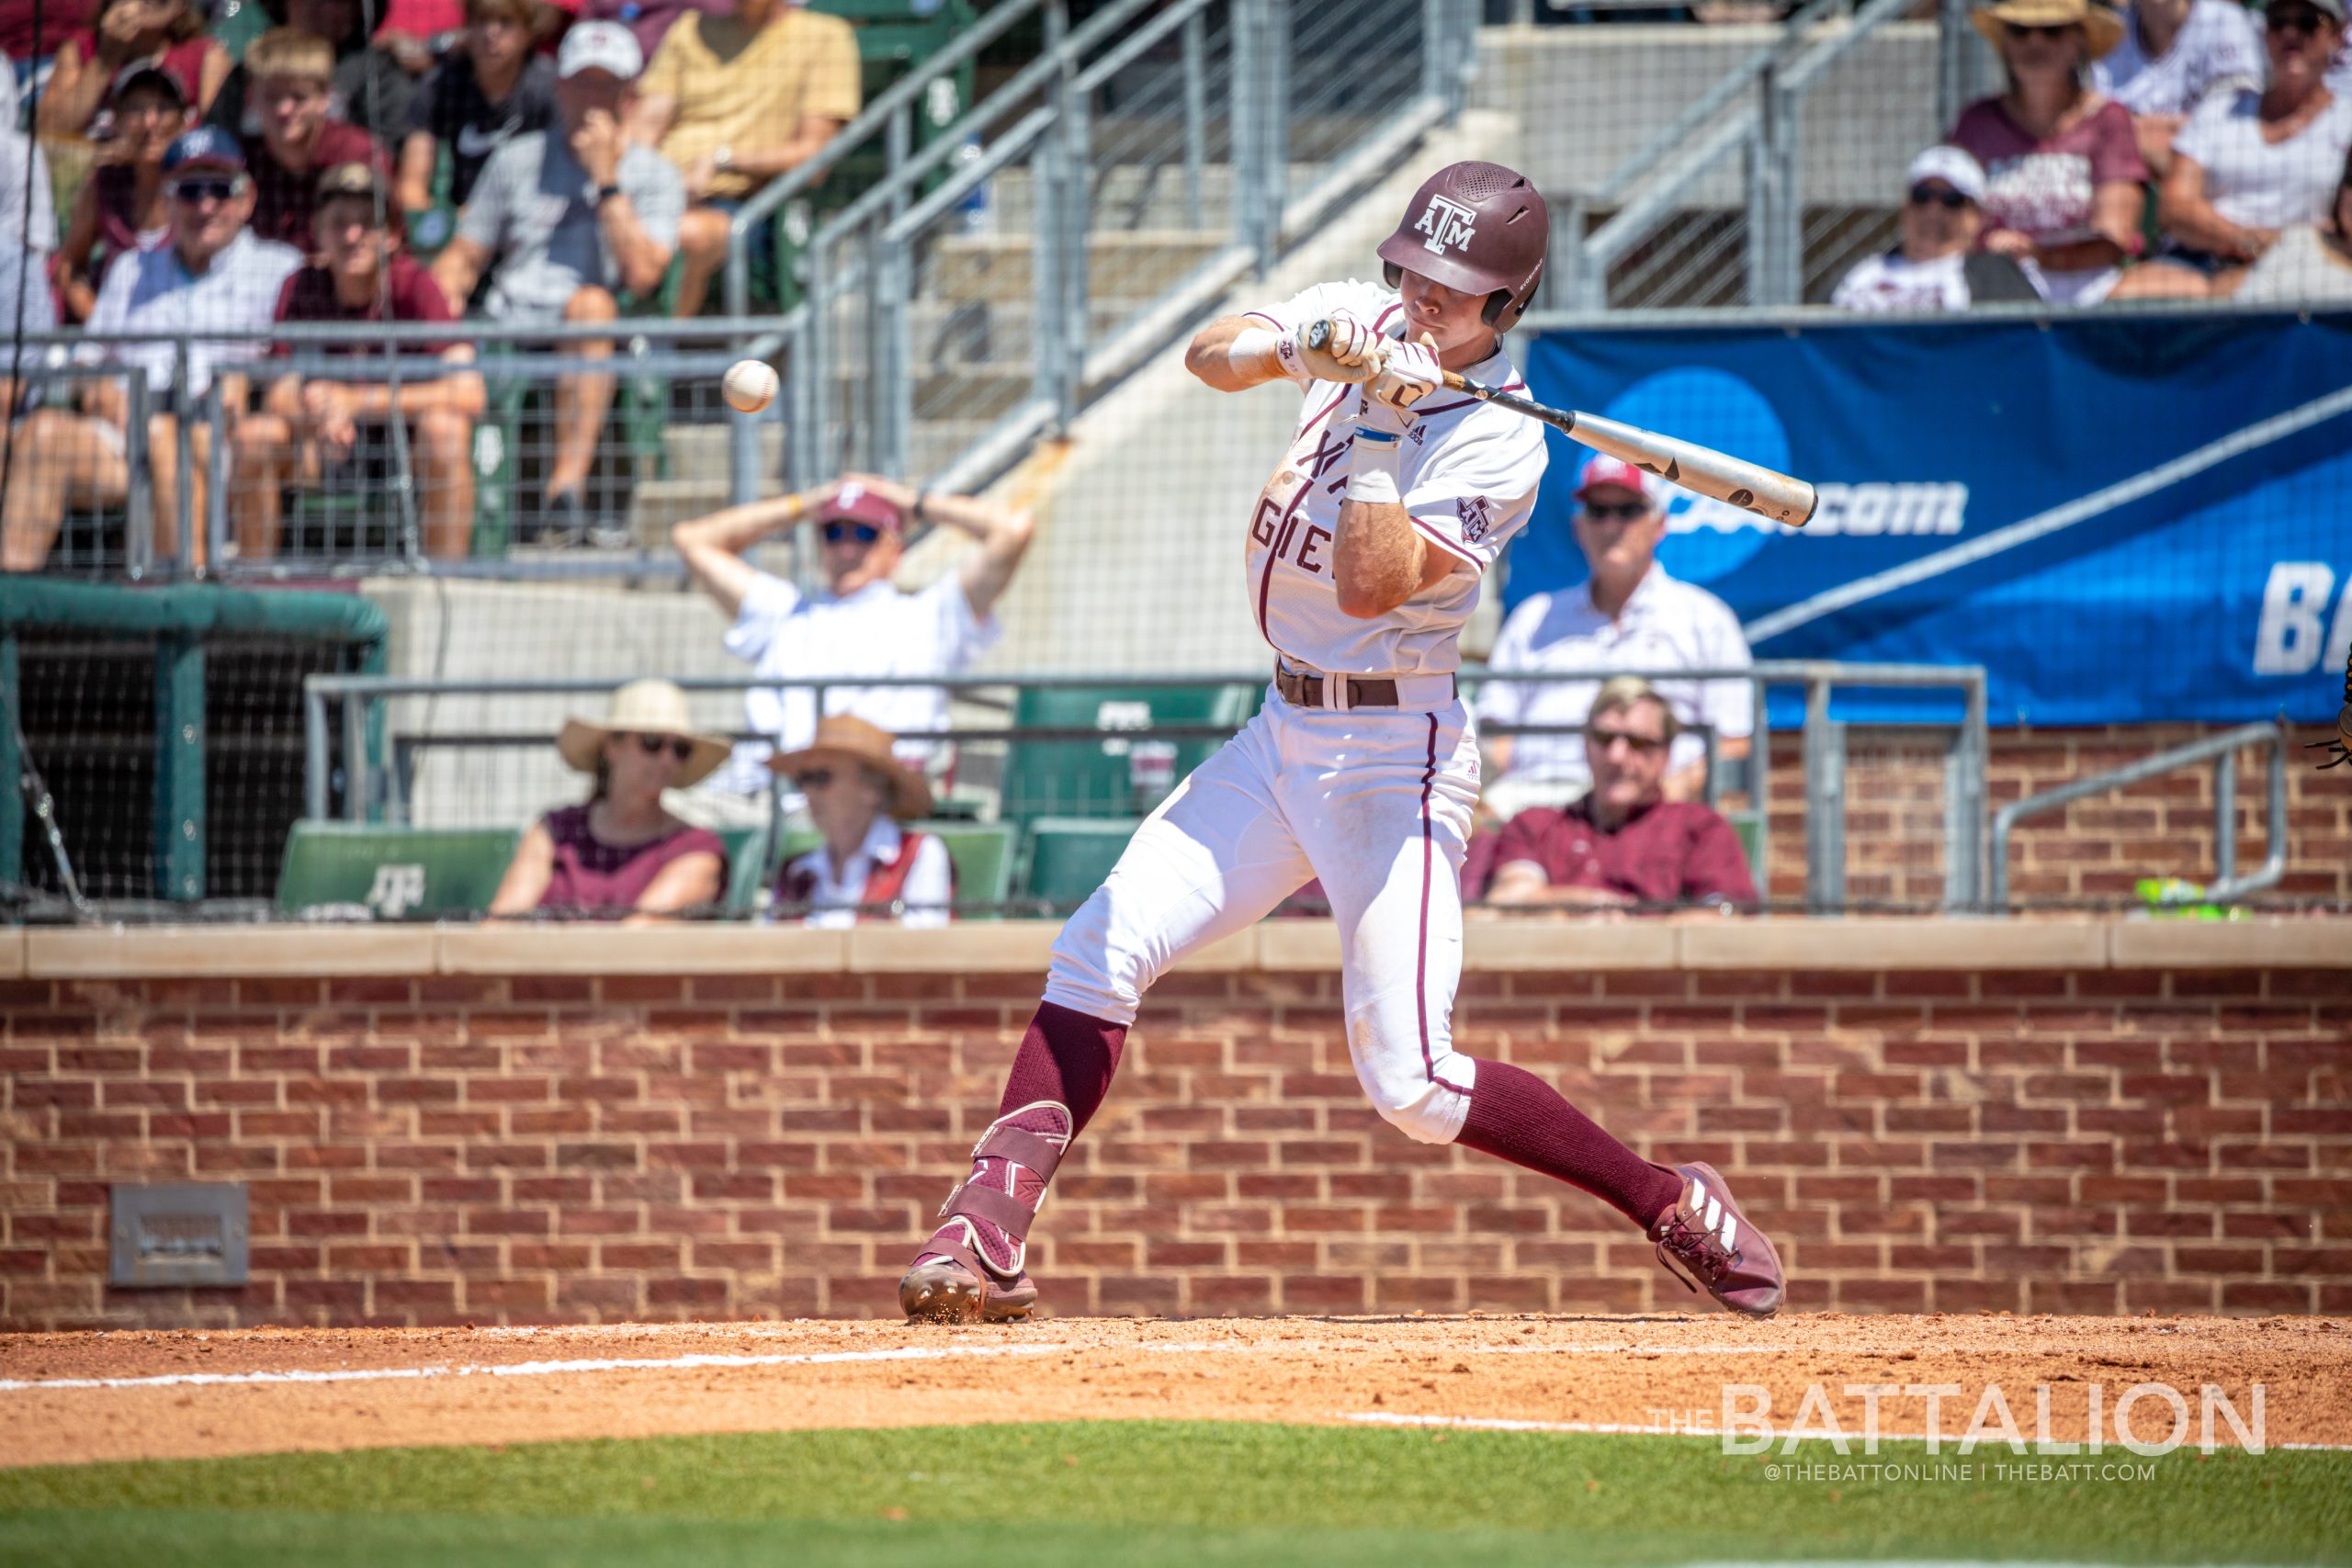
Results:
<point x="1234" y="354"/>
<point x="1376" y="557"/>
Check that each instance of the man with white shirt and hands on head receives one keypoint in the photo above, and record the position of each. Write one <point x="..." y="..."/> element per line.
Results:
<point x="1363" y="555"/>
<point x="861" y="625"/>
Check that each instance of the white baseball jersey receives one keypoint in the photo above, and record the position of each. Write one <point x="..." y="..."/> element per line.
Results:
<point x="1468" y="473"/>
<point x="2217" y="47"/>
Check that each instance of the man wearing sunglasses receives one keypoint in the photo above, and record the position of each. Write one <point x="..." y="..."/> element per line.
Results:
<point x="860" y="624"/>
<point x="1624" y="845"/>
<point x="1937" y="266"/>
<point x="213" y="274"/>
<point x="1629" y="613"/>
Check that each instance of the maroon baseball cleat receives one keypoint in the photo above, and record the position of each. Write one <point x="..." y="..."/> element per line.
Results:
<point x="945" y="1288"/>
<point x="1706" y="1240"/>
<point x="972" y="1270"/>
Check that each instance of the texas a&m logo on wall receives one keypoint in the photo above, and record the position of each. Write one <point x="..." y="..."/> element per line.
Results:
<point x="1446" y="225"/>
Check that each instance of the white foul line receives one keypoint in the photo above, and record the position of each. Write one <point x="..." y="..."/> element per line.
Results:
<point x="529" y="1369"/>
<point x="2260" y="433"/>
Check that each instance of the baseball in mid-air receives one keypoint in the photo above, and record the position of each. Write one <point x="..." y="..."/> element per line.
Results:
<point x="750" y="386"/>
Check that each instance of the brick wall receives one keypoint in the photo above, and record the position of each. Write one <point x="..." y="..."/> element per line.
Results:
<point x="530" y="1147"/>
<point x="2091" y="852"/>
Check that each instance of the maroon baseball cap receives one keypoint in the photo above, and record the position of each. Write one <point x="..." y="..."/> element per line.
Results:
<point x="1615" y="471"/>
<point x="855" y="503"/>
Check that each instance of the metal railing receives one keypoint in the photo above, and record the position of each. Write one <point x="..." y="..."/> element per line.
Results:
<point x="342" y="704"/>
<point x="2222" y="751"/>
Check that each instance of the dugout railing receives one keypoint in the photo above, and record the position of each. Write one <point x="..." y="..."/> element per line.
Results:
<point x="369" y="741"/>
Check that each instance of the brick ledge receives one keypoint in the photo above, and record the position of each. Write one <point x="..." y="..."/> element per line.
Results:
<point x="1277" y="946"/>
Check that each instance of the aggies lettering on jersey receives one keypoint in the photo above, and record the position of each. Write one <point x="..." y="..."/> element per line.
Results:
<point x="1469" y="476"/>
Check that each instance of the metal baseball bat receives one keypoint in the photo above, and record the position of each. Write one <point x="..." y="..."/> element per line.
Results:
<point x="1702" y="471"/>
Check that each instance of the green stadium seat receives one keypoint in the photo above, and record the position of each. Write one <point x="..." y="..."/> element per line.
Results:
<point x="361" y="871"/>
<point x="1118" y="775"/>
<point x="1069" y="856"/>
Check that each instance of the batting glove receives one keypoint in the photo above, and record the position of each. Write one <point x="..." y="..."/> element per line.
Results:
<point x="1409" y="372"/>
<point x="1351" y="353"/>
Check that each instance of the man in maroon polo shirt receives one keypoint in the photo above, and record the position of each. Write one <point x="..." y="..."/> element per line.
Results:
<point x="292" y="74"/>
<point x="335" y="432"/>
<point x="1624" y="844"/>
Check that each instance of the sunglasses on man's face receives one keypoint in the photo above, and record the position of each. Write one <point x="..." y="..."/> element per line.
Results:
<point x="678" y="746"/>
<point x="863" y="532"/>
<point x="1616" y="511"/>
<point x="1602" y="741"/>
<point x="194" y="191"/>
<point x="2040" y="29"/>
<point x="2304" y="22"/>
<point x="814" y="778"/>
<point x="1938" y="195"/>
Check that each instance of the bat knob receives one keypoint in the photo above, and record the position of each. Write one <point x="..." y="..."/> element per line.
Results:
<point x="1318" y="335"/>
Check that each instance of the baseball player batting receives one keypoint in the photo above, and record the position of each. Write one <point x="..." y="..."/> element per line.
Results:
<point x="1365" y="554"/>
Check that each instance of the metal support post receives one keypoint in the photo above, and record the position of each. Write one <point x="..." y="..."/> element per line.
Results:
<point x="139" y="532"/>
<point x="316" y="764"/>
<point x="1964" y="808"/>
<point x="12" y="765"/>
<point x="1825" y="803"/>
<point x="355" y="759"/>
<point x="893" y="363"/>
<point x="2225" y="816"/>
<point x="179" y="766"/>
<point x="184" y="462"/>
<point x="1078" y="217"/>
<point x="1196" y="115"/>
<point x="215" y="477"/>
<point x="1258" y="114"/>
<point x="1774" y="206"/>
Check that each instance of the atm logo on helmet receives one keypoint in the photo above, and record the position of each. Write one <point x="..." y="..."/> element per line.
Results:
<point x="1446" y="225"/>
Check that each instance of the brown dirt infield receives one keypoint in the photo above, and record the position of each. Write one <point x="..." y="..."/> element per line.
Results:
<point x="371" y="1387"/>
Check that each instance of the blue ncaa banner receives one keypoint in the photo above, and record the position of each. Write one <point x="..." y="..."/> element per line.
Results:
<point x="2121" y="518"/>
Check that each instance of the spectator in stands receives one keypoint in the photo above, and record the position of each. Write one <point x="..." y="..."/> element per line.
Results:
<point x="649" y="21"/>
<point x="1937" y="266"/>
<point x="868" y="867"/>
<point x="735" y="101"/>
<point x="418" y="33"/>
<point x="2311" y="263"/>
<point x="2174" y="55"/>
<point x="619" y="851"/>
<point x="327" y="432"/>
<point x="168" y="34"/>
<point x="27" y="221"/>
<point x="122" y="205"/>
<point x="214" y="275"/>
<point x="860" y="626"/>
<point x="371" y="88"/>
<point x="497" y="86"/>
<point x="2251" y="165"/>
<point x="1628" y="614"/>
<point x="59" y="21"/>
<point x="291" y="77"/>
<point x="2063" y="169"/>
<point x="577" y="217"/>
<point x="1624" y="845"/>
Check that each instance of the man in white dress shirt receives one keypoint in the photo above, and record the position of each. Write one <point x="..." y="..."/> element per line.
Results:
<point x="1629" y="616"/>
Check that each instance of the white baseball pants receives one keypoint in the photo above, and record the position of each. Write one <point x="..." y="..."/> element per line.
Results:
<point x="1377" y="803"/>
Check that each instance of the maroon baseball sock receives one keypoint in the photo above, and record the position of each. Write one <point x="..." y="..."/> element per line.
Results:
<point x="1058" y="1080"/>
<point x="1515" y="1115"/>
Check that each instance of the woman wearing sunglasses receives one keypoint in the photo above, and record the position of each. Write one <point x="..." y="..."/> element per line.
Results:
<point x="2248" y="167"/>
<point x="2063" y="173"/>
<point x="868" y="868"/>
<point x="619" y="852"/>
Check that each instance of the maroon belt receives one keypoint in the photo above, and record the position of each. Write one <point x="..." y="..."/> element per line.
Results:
<point x="1364" y="692"/>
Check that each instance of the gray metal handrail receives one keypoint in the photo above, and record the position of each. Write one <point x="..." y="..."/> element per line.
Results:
<point x="884" y="115"/>
<point x="1824" y="738"/>
<point x="2222" y="750"/>
<point x="1590" y="256"/>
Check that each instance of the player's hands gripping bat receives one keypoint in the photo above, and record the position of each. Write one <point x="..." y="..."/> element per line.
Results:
<point x="1338" y="348"/>
<point x="1702" y="471"/>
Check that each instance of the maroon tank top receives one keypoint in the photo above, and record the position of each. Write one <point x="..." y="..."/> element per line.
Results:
<point x="593" y="876"/>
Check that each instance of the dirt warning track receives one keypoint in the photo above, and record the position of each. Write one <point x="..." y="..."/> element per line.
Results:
<point x="75" y="1397"/>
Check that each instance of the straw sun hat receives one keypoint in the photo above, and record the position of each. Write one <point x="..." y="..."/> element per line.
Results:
<point x="2102" y="27"/>
<point x="644" y="708"/>
<point x="843" y="739"/>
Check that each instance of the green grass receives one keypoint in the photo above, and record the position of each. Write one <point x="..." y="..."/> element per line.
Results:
<point x="1196" y="1495"/>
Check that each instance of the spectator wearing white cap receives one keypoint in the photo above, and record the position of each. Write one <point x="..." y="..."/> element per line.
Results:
<point x="1937" y="266"/>
<point x="578" y="219"/>
<point x="2172" y="56"/>
<point x="1629" y="616"/>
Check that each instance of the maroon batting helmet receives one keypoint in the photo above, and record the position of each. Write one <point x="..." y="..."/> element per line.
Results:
<point x="1479" y="227"/>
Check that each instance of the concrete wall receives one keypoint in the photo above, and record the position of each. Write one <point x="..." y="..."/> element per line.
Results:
<point x="517" y="1126"/>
